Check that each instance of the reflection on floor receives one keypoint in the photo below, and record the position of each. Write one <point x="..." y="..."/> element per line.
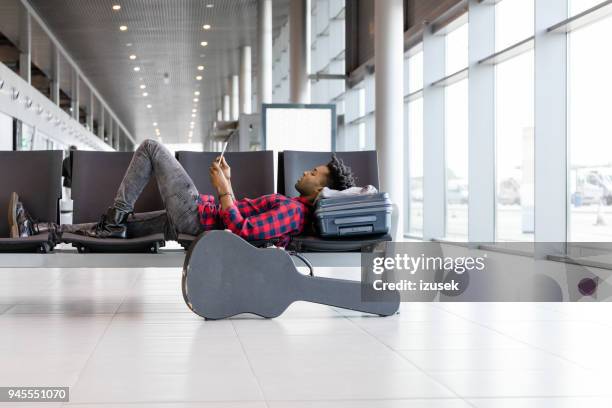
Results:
<point x="124" y="338"/>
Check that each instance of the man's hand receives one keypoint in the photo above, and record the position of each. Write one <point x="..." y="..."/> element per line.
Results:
<point x="218" y="180"/>
<point x="227" y="171"/>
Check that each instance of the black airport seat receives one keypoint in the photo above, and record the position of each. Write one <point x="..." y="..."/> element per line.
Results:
<point x="95" y="179"/>
<point x="364" y="165"/>
<point x="252" y="176"/>
<point x="36" y="177"/>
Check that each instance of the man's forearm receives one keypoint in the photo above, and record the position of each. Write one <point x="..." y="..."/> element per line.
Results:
<point x="226" y="201"/>
<point x="226" y="198"/>
<point x="231" y="190"/>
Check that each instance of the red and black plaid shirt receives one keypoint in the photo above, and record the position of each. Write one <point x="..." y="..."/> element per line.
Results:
<point x="266" y="217"/>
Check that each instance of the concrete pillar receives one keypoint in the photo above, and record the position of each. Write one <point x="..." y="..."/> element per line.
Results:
<point x="117" y="136"/>
<point x="55" y="75"/>
<point x="101" y="123"/>
<point x="226" y="108"/>
<point x="25" y="46"/>
<point x="245" y="80"/>
<point x="111" y="130"/>
<point x="299" y="51"/>
<point x="90" y="111"/>
<point x="389" y="63"/>
<point x="235" y="95"/>
<point x="75" y="96"/>
<point x="264" y="50"/>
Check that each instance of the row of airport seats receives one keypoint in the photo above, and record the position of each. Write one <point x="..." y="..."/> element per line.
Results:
<point x="36" y="176"/>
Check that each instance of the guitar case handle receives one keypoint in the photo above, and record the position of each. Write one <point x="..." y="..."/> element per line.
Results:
<point x="304" y="260"/>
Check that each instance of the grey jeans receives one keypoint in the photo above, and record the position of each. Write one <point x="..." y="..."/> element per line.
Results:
<point x="177" y="190"/>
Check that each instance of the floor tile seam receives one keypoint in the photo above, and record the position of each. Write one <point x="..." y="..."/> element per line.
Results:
<point x="444" y="386"/>
<point x="251" y="368"/>
<point x="93" y="351"/>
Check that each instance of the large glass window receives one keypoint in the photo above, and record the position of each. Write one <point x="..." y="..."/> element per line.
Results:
<point x="415" y="72"/>
<point x="25" y="136"/>
<point x="456" y="135"/>
<point x="457" y="49"/>
<point x="514" y="22"/>
<point x="578" y="6"/>
<point x="590" y="130"/>
<point x="515" y="149"/>
<point x="413" y="125"/>
<point x="328" y="44"/>
<point x="415" y="167"/>
<point x="456" y="132"/>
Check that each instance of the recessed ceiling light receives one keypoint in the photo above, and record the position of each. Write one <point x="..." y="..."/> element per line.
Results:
<point x="145" y="94"/>
<point x="204" y="43"/>
<point x="128" y="44"/>
<point x="155" y="124"/>
<point x="143" y="86"/>
<point x="137" y="69"/>
<point x="193" y="115"/>
<point x="123" y="28"/>
<point x="197" y="93"/>
<point x="149" y="106"/>
<point x="196" y="100"/>
<point x="192" y="123"/>
<point x="210" y="5"/>
<point x="206" y="26"/>
<point x="200" y="67"/>
<point x="194" y="110"/>
<point x="132" y="57"/>
<point x="199" y="77"/>
<point x="117" y="7"/>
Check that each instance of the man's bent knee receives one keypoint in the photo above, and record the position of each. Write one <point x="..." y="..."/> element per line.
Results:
<point x="148" y="143"/>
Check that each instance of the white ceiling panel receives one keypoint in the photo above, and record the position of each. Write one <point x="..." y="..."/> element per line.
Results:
<point x="165" y="37"/>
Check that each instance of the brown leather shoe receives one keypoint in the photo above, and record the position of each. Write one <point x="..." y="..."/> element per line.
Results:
<point x="22" y="225"/>
<point x="12" y="216"/>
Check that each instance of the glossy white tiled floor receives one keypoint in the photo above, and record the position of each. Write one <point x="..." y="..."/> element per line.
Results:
<point x="124" y="338"/>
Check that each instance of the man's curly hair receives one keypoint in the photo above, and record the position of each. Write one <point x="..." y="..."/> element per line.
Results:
<point x="340" y="175"/>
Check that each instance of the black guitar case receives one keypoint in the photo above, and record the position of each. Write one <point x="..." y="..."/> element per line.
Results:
<point x="224" y="275"/>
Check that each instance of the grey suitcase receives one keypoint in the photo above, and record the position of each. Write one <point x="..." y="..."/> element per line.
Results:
<point x="354" y="215"/>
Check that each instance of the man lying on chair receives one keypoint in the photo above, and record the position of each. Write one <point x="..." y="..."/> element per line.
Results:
<point x="272" y="216"/>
